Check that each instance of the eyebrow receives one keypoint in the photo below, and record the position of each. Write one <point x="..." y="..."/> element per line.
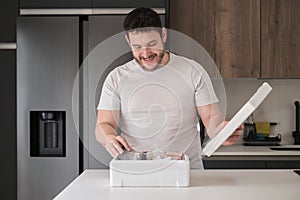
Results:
<point x="137" y="45"/>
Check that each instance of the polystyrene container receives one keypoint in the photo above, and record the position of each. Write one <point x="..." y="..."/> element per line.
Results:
<point x="160" y="172"/>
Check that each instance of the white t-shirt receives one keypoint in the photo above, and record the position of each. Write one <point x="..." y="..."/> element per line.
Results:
<point x="158" y="108"/>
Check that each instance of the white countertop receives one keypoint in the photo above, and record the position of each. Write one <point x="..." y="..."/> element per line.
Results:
<point x="208" y="184"/>
<point x="242" y="150"/>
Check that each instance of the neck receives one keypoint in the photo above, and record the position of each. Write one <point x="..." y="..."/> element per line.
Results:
<point x="166" y="58"/>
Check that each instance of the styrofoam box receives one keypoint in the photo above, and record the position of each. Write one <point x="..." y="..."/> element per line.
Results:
<point x="161" y="172"/>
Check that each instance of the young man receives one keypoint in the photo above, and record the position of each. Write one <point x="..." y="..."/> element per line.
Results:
<point x="156" y="97"/>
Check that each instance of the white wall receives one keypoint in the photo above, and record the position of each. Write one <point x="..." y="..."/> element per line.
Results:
<point x="277" y="107"/>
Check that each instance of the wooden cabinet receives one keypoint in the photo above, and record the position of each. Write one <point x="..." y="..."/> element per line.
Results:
<point x="280" y="38"/>
<point x="246" y="38"/>
<point x="228" y="30"/>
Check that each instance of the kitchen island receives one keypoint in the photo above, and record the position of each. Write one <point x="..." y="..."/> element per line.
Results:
<point x="204" y="184"/>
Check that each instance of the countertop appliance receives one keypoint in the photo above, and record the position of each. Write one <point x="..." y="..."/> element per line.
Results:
<point x="54" y="147"/>
<point x="252" y="138"/>
<point x="296" y="133"/>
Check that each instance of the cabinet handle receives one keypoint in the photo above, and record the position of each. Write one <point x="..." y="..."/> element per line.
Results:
<point x="80" y="11"/>
<point x="8" y="45"/>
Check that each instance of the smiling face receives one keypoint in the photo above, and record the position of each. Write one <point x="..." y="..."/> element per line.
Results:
<point x="148" y="48"/>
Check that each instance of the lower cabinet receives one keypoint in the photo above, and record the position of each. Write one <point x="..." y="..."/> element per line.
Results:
<point x="252" y="162"/>
<point x="234" y="164"/>
<point x="286" y="164"/>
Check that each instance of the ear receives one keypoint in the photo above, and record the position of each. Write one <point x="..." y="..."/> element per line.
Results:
<point x="164" y="34"/>
<point x="127" y="39"/>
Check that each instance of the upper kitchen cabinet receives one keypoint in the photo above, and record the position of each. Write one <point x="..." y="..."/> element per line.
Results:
<point x="28" y="4"/>
<point x="128" y="3"/>
<point x="8" y="14"/>
<point x="228" y="30"/>
<point x="33" y="4"/>
<point x="280" y="38"/>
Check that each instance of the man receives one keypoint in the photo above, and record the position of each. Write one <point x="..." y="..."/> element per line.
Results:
<point x="156" y="97"/>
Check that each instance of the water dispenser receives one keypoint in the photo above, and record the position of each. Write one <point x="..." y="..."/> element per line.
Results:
<point x="47" y="133"/>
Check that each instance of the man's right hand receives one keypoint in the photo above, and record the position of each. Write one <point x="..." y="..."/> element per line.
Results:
<point x="116" y="145"/>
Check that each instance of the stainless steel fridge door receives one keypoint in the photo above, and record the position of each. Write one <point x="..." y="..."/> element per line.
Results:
<point x="99" y="29"/>
<point x="47" y="64"/>
<point x="104" y="34"/>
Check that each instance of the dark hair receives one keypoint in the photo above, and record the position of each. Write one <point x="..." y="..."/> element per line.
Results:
<point x="141" y="18"/>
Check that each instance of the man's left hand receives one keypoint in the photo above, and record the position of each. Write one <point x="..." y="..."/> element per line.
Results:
<point x="235" y="135"/>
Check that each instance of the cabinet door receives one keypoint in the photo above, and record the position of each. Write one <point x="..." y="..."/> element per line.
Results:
<point x="47" y="66"/>
<point x="8" y="14"/>
<point x="96" y="35"/>
<point x="55" y="4"/>
<point x="8" y="148"/>
<point x="280" y="38"/>
<point x="286" y="164"/>
<point x="234" y="164"/>
<point x="228" y="30"/>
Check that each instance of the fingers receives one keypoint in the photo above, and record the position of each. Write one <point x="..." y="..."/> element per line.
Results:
<point x="123" y="142"/>
<point x="231" y="140"/>
<point x="175" y="155"/>
<point x="112" y="151"/>
<point x="235" y="135"/>
<point x="116" y="146"/>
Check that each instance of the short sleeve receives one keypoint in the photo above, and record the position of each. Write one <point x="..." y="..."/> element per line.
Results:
<point x="110" y="98"/>
<point x="204" y="91"/>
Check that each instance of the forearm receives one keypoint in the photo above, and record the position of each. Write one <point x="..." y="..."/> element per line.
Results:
<point x="215" y="125"/>
<point x="212" y="118"/>
<point x="214" y="122"/>
<point x="104" y="132"/>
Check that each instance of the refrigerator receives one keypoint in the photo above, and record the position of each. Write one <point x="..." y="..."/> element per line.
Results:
<point x="47" y="139"/>
<point x="58" y="89"/>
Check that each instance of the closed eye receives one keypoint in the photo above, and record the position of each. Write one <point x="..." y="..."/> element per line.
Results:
<point x="136" y="46"/>
<point x="152" y="44"/>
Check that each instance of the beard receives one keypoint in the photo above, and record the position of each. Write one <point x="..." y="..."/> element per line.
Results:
<point x="158" y="63"/>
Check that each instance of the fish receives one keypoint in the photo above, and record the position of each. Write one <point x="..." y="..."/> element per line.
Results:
<point x="150" y="155"/>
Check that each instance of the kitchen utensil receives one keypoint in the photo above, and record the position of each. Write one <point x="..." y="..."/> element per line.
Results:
<point x="296" y="133"/>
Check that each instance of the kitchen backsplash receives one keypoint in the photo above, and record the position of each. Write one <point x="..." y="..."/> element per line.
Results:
<point x="277" y="107"/>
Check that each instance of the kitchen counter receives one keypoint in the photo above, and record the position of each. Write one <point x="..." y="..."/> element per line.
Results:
<point x="207" y="184"/>
<point x="242" y="150"/>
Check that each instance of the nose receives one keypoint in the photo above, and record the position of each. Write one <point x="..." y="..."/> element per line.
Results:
<point x="145" y="52"/>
